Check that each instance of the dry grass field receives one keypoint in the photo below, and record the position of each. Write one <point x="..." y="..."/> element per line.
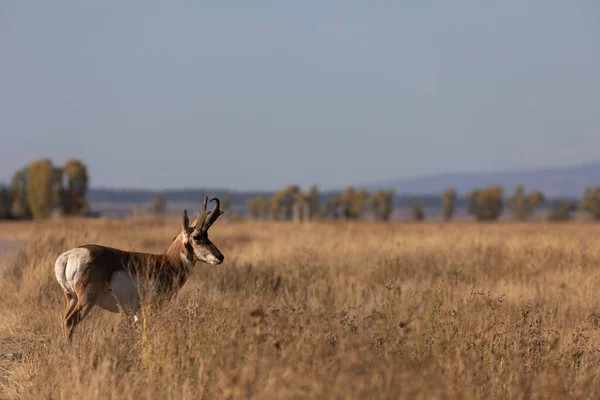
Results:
<point x="348" y="310"/>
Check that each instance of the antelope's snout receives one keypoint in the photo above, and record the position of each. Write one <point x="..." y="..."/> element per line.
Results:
<point x="216" y="258"/>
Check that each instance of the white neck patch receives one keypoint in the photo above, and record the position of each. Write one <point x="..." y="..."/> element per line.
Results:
<point x="187" y="263"/>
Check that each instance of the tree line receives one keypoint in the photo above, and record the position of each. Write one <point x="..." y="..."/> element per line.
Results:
<point x="291" y="203"/>
<point x="485" y="204"/>
<point x="488" y="204"/>
<point x="42" y="189"/>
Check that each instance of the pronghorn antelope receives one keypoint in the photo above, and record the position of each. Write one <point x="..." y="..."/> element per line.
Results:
<point x="113" y="279"/>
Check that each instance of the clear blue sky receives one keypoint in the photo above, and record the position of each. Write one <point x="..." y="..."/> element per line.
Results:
<point x="262" y="94"/>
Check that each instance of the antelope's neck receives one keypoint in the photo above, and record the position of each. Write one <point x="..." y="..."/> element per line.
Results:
<point x="180" y="254"/>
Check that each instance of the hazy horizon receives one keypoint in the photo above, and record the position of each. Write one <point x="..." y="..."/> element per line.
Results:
<point x="374" y="183"/>
<point x="171" y="95"/>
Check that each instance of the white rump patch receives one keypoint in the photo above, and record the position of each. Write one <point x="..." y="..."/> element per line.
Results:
<point x="70" y="266"/>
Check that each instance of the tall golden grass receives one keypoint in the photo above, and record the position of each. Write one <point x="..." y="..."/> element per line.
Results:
<point x="346" y="310"/>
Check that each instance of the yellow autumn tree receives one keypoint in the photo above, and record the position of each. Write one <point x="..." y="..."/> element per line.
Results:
<point x="74" y="197"/>
<point x="41" y="186"/>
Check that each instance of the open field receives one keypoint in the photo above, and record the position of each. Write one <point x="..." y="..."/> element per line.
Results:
<point x="8" y="246"/>
<point x="346" y="310"/>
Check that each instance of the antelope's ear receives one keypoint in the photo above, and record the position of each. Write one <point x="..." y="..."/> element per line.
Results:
<point x="186" y="222"/>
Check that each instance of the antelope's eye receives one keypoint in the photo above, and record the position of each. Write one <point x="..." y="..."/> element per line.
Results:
<point x="197" y="238"/>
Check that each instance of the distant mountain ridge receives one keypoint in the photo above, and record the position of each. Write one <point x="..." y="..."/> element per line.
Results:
<point x="554" y="182"/>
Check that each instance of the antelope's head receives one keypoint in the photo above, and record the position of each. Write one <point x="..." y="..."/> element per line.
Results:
<point x="195" y="238"/>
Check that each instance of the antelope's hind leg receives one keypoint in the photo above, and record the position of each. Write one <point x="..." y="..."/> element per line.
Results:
<point x="87" y="295"/>
<point x="71" y="302"/>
